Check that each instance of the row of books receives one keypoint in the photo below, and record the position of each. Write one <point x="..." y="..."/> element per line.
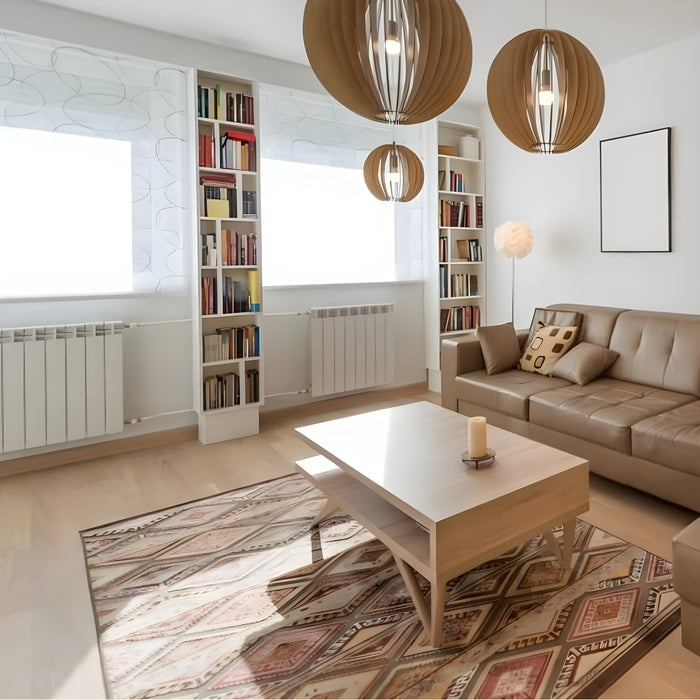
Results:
<point x="238" y="295"/>
<point x="238" y="248"/>
<point x="455" y="214"/>
<point x="235" y="296"/>
<point x="215" y="103"/>
<point x="218" y="196"/>
<point x="460" y="284"/>
<point x="459" y="318"/>
<point x="464" y="285"/>
<point x="252" y="385"/>
<point x="238" y="151"/>
<point x="469" y="250"/>
<point x="222" y="391"/>
<point x="209" y="303"/>
<point x="231" y="344"/>
<point x="207" y="151"/>
<point x="452" y="181"/>
<point x="208" y="249"/>
<point x="466" y="250"/>
<point x="480" y="215"/>
<point x="250" y="204"/>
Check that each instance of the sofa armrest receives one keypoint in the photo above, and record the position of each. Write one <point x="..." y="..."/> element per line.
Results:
<point x="458" y="356"/>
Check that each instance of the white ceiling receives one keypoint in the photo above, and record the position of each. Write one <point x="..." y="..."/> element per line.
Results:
<point x="612" y="29"/>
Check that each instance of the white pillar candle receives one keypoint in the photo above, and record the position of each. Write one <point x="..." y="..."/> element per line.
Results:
<point x="477" y="437"/>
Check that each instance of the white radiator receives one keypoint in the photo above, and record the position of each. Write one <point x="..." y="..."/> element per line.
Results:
<point x="352" y="347"/>
<point x="60" y="383"/>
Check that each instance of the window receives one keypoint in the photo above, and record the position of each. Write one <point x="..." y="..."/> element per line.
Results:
<point x="66" y="215"/>
<point x="92" y="189"/>
<point x="320" y="223"/>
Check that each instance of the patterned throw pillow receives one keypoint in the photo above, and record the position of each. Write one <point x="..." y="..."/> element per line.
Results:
<point x="547" y="346"/>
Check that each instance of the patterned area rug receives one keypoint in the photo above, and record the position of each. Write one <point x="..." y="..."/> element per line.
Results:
<point x="238" y="596"/>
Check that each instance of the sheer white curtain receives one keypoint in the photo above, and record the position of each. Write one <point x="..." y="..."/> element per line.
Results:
<point x="320" y="224"/>
<point x="64" y="89"/>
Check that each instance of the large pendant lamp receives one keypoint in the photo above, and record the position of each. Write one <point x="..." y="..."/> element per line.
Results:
<point x="394" y="61"/>
<point x="545" y="91"/>
<point x="393" y="173"/>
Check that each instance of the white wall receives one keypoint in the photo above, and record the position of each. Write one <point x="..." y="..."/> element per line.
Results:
<point x="558" y="197"/>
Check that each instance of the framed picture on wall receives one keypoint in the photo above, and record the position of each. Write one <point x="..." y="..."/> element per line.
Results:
<point x="635" y="193"/>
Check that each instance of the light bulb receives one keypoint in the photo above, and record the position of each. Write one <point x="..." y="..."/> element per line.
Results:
<point x="545" y="98"/>
<point x="392" y="177"/>
<point x="392" y="46"/>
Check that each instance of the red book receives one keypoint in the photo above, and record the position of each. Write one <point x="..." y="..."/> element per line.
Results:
<point x="240" y="136"/>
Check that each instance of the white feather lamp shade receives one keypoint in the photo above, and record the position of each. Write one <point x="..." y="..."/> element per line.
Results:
<point x="513" y="239"/>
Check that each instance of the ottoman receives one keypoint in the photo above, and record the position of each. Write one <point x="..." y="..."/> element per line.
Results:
<point x="686" y="576"/>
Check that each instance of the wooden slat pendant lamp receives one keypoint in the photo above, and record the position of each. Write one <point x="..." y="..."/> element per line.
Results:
<point x="393" y="173"/>
<point x="545" y="91"/>
<point x="394" y="61"/>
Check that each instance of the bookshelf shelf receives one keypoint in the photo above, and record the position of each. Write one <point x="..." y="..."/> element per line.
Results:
<point x="229" y="304"/>
<point x="223" y="122"/>
<point x="222" y="218"/>
<point x="461" y="194"/>
<point x="236" y="361"/>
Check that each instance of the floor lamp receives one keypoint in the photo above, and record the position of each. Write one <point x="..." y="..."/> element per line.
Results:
<point x="514" y="240"/>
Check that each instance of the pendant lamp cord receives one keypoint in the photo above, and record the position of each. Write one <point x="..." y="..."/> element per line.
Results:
<point x="545" y="14"/>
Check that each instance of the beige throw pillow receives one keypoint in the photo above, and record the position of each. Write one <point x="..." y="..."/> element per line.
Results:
<point x="584" y="362"/>
<point x="553" y="317"/>
<point x="499" y="346"/>
<point x="548" y="345"/>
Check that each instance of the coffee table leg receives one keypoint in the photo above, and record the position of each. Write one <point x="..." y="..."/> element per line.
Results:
<point x="437" y="612"/>
<point x="568" y="543"/>
<point x="409" y="578"/>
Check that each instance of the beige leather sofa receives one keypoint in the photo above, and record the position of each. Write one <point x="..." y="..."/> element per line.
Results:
<point x="638" y="423"/>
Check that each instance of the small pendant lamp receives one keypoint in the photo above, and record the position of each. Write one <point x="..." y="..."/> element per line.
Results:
<point x="393" y="173"/>
<point x="394" y="61"/>
<point x="545" y="91"/>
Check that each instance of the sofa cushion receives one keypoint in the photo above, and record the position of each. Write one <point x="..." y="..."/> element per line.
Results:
<point x="597" y="324"/>
<point x="552" y="317"/>
<point x="658" y="349"/>
<point x="507" y="392"/>
<point x="499" y="346"/>
<point x="671" y="438"/>
<point x="603" y="411"/>
<point x="583" y="363"/>
<point x="547" y="346"/>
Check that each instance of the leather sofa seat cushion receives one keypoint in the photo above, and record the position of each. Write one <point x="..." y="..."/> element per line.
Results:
<point x="671" y="438"/>
<point x="603" y="411"/>
<point x="507" y="392"/>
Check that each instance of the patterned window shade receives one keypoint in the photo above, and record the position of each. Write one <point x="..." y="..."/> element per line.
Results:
<point x="58" y="87"/>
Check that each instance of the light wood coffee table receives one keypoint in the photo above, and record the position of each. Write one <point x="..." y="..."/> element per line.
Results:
<point x="399" y="473"/>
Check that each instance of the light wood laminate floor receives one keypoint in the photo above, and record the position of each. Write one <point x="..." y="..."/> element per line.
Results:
<point x="48" y="646"/>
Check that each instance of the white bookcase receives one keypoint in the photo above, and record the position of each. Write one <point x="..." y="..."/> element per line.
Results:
<point x="457" y="245"/>
<point x="229" y="377"/>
